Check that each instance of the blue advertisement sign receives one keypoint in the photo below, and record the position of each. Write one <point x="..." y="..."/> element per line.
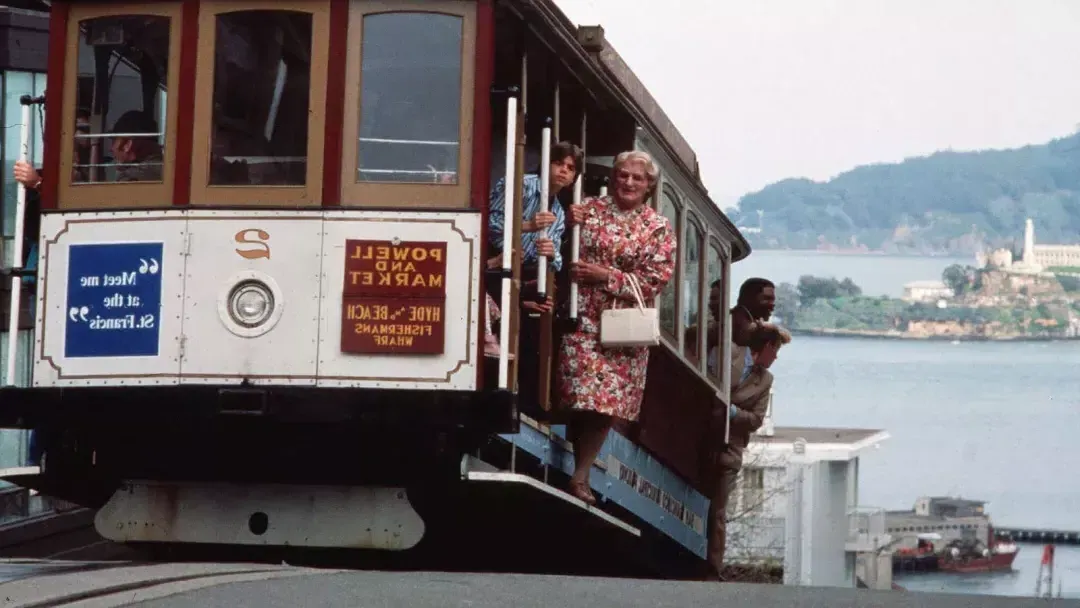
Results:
<point x="113" y="300"/>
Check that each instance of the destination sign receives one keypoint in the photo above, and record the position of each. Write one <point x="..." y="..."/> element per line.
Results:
<point x="414" y="269"/>
<point x="372" y="325"/>
<point x="394" y="298"/>
<point x="113" y="300"/>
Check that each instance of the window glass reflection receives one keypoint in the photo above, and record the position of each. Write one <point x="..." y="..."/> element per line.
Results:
<point x="262" y="77"/>
<point x="123" y="63"/>
<point x="692" y="289"/>
<point x="669" y="210"/>
<point x="410" y="98"/>
<point x="716" y="316"/>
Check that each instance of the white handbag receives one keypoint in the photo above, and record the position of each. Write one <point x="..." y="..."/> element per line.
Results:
<point x="628" y="327"/>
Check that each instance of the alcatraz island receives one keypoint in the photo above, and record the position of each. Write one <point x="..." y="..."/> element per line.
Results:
<point x="1035" y="297"/>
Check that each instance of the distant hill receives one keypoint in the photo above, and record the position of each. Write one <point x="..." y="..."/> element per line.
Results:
<point x="949" y="202"/>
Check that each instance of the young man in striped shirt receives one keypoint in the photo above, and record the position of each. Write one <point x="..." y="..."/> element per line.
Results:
<point x="541" y="232"/>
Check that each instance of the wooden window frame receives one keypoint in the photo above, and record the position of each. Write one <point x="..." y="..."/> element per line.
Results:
<point x="396" y="194"/>
<point x="308" y="194"/>
<point x="106" y="195"/>
<point x="693" y="222"/>
<point x="714" y="244"/>
<point x="725" y="305"/>
<point x="680" y="221"/>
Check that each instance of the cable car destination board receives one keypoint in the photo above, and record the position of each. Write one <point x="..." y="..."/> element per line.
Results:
<point x="394" y="298"/>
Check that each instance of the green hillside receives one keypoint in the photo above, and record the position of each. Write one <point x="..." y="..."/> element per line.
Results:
<point x="948" y="202"/>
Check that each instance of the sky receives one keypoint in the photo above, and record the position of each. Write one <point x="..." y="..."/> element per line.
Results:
<point x="770" y="89"/>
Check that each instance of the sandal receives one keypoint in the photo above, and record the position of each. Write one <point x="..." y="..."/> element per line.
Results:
<point x="581" y="491"/>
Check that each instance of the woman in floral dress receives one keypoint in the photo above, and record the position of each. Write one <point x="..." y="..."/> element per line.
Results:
<point x="620" y="235"/>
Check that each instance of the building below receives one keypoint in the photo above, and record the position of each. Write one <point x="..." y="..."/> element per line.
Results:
<point x="796" y="503"/>
<point x="951" y="518"/>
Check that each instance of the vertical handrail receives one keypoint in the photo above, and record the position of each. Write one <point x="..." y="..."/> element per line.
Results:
<point x="510" y="212"/>
<point x="545" y="192"/>
<point x="575" y="249"/>
<point x="17" y="263"/>
<point x="575" y="230"/>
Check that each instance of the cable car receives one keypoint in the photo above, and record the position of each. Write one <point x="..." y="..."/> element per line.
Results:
<point x="261" y="278"/>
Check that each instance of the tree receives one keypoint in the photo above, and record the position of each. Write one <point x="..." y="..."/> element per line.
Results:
<point x="849" y="288"/>
<point x="757" y="515"/>
<point x="813" y="288"/>
<point x="956" y="277"/>
<point x="930" y="204"/>
<point x="787" y="304"/>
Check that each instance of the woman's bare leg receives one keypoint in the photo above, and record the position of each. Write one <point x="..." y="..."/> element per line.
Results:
<point x="588" y="433"/>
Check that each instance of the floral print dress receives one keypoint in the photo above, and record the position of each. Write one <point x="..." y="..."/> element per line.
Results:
<point x="611" y="381"/>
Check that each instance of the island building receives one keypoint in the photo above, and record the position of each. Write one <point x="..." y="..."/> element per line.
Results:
<point x="1035" y="258"/>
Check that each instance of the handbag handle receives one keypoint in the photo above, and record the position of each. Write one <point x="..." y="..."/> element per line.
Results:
<point x="635" y="289"/>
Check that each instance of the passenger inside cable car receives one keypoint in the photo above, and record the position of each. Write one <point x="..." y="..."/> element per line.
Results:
<point x="712" y="332"/>
<point x="135" y="150"/>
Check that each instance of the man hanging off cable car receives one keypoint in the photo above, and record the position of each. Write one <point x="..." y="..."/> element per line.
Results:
<point x="566" y="161"/>
<point x="541" y="232"/>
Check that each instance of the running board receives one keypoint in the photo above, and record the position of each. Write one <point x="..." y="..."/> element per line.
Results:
<point x="479" y="472"/>
<point x="352" y="517"/>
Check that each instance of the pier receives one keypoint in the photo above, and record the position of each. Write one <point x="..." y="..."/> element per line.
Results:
<point x="1039" y="535"/>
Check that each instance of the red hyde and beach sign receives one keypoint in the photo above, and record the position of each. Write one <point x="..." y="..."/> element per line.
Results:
<point x="394" y="301"/>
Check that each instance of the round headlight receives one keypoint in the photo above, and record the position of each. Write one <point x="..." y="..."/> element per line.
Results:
<point x="251" y="303"/>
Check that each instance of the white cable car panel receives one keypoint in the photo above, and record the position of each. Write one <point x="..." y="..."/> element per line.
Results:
<point x="251" y="298"/>
<point x="109" y="307"/>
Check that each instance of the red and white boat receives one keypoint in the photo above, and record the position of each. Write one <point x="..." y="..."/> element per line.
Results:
<point x="970" y="555"/>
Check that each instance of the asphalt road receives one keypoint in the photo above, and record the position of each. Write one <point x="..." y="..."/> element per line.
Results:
<point x="262" y="586"/>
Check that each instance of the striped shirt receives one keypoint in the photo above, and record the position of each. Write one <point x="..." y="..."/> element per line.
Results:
<point x="530" y="194"/>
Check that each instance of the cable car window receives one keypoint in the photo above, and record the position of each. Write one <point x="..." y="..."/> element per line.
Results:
<point x="669" y="209"/>
<point x="262" y="69"/>
<point x="716" y="316"/>
<point x="691" y="282"/>
<point x="410" y="98"/>
<point x="122" y="64"/>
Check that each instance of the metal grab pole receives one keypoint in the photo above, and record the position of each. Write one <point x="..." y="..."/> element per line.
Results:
<point x="16" y="278"/>
<point x="545" y="192"/>
<point x="510" y="214"/>
<point x="575" y="230"/>
<point x="575" y="247"/>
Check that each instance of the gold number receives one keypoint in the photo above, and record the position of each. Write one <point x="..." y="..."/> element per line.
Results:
<point x="259" y="240"/>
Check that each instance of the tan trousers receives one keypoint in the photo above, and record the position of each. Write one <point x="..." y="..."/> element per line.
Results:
<point x="722" y="482"/>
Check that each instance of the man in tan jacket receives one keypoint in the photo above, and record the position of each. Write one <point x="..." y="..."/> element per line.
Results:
<point x="749" y="402"/>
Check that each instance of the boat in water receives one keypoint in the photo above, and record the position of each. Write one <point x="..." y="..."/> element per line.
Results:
<point x="970" y="555"/>
<point x="921" y="558"/>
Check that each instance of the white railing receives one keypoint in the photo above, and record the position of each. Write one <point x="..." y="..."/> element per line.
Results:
<point x="866" y="528"/>
<point x="866" y="520"/>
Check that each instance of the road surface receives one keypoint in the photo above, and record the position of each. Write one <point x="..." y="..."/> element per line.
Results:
<point x="103" y="585"/>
